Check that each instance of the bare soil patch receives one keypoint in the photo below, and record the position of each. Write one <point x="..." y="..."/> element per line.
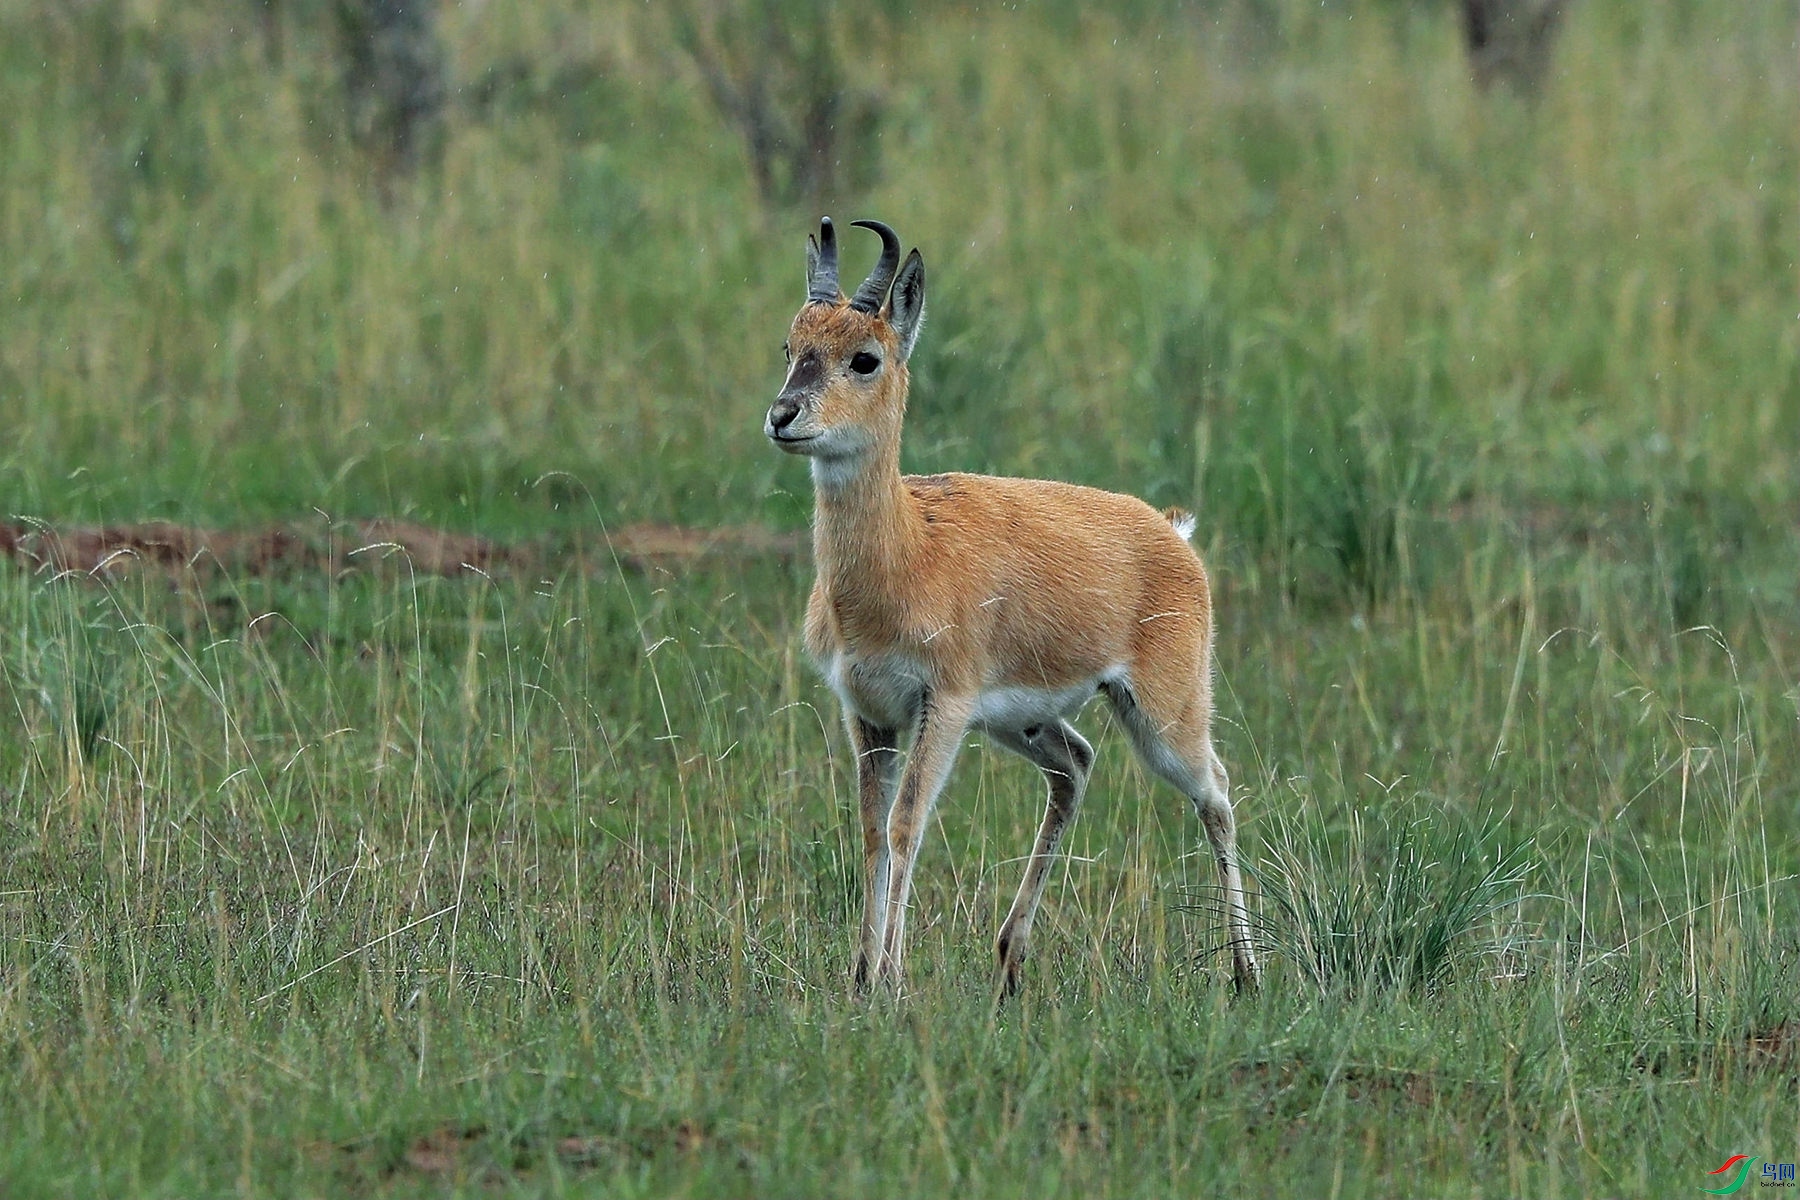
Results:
<point x="118" y="551"/>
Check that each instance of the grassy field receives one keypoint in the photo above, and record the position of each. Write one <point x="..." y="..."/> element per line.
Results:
<point x="377" y="882"/>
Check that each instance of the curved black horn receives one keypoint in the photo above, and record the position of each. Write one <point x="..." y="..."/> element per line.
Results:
<point x="822" y="280"/>
<point x="874" y="290"/>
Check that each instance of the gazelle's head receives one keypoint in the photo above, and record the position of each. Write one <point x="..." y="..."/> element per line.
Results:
<point x="845" y="394"/>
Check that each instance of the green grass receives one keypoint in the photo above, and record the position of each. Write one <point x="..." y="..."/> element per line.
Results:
<point x="554" y="881"/>
<point x="384" y="884"/>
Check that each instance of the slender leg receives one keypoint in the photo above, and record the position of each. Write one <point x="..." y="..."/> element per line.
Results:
<point x="1065" y="758"/>
<point x="1214" y="807"/>
<point x="1181" y="752"/>
<point x="942" y="722"/>
<point x="877" y="765"/>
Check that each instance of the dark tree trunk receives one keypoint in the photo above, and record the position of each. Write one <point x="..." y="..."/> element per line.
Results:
<point x="1510" y="40"/>
<point x="393" y="79"/>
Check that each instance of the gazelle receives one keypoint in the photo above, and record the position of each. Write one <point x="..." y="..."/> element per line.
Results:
<point x="950" y="602"/>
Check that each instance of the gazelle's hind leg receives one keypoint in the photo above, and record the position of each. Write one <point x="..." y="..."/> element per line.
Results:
<point x="1179" y="749"/>
<point x="1066" y="759"/>
<point x="1221" y="830"/>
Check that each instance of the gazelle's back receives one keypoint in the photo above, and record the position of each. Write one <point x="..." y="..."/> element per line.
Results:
<point x="1060" y="581"/>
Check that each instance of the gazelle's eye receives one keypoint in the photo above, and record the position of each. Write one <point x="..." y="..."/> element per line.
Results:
<point x="787" y="352"/>
<point x="864" y="363"/>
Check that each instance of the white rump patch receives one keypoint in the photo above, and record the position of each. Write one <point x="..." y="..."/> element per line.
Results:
<point x="1184" y="524"/>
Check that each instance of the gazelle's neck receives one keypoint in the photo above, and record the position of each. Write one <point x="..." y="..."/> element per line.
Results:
<point x="865" y="526"/>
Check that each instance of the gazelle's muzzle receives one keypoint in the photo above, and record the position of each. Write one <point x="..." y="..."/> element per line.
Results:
<point x="781" y="417"/>
<point x="804" y="380"/>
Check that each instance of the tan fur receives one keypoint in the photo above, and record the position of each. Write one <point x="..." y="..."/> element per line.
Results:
<point x="949" y="601"/>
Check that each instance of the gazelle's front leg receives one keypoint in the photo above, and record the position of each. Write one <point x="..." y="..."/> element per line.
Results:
<point x="877" y="762"/>
<point x="942" y="722"/>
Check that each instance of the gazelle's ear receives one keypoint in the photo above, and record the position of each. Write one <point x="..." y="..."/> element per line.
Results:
<point x="906" y="303"/>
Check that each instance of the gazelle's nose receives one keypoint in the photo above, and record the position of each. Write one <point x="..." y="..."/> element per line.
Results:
<point x="782" y="414"/>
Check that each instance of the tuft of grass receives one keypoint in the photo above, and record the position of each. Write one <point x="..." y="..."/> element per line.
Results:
<point x="1388" y="900"/>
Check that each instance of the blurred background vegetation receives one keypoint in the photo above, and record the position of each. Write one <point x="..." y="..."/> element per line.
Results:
<point x="1343" y="276"/>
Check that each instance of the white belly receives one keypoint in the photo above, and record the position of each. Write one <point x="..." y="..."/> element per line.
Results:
<point x="1017" y="708"/>
<point x="889" y="691"/>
